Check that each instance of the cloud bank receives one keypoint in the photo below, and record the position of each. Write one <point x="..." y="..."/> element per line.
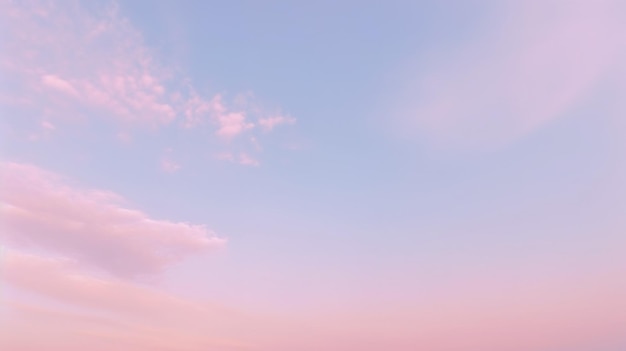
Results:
<point x="40" y="210"/>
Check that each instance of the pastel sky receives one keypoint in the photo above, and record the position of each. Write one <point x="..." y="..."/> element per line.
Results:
<point x="319" y="175"/>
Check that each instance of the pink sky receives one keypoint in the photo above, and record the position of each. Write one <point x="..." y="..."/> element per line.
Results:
<point x="193" y="176"/>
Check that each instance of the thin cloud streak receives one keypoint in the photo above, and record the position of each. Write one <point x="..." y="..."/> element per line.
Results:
<point x="269" y="123"/>
<point x="523" y="75"/>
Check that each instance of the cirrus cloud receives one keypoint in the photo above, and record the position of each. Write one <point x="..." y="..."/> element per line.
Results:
<point x="523" y="74"/>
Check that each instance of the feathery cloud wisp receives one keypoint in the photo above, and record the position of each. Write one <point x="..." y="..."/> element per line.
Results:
<point x="522" y="75"/>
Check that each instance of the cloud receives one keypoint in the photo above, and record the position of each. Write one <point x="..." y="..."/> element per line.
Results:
<point x="246" y="160"/>
<point x="270" y="122"/>
<point x="232" y="124"/>
<point x="527" y="71"/>
<point x="59" y="84"/>
<point x="196" y="109"/>
<point x="69" y="63"/>
<point x="229" y="122"/>
<point x="95" y="61"/>
<point x="45" y="131"/>
<point x="47" y="125"/>
<point x="40" y="210"/>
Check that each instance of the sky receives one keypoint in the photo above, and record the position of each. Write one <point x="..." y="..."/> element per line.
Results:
<point x="328" y="175"/>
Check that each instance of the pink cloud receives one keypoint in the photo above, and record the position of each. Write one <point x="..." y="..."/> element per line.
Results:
<point x="523" y="74"/>
<point x="40" y="210"/>
<point x="196" y="110"/>
<point x="47" y="125"/>
<point x="57" y="83"/>
<point x="246" y="160"/>
<point x="270" y="122"/>
<point x="68" y="63"/>
<point x="232" y="124"/>
<point x="97" y="61"/>
<point x="45" y="131"/>
<point x="229" y="123"/>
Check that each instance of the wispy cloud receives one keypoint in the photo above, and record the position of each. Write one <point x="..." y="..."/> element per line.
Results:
<point x="40" y="210"/>
<point x="168" y="164"/>
<point x="45" y="130"/>
<point x="59" y="84"/>
<point x="246" y="160"/>
<point x="270" y="122"/>
<point x="232" y="124"/>
<point x="542" y="60"/>
<point x="61" y="60"/>
<point x="91" y="61"/>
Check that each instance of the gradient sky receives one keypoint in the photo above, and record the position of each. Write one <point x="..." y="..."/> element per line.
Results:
<point x="305" y="176"/>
